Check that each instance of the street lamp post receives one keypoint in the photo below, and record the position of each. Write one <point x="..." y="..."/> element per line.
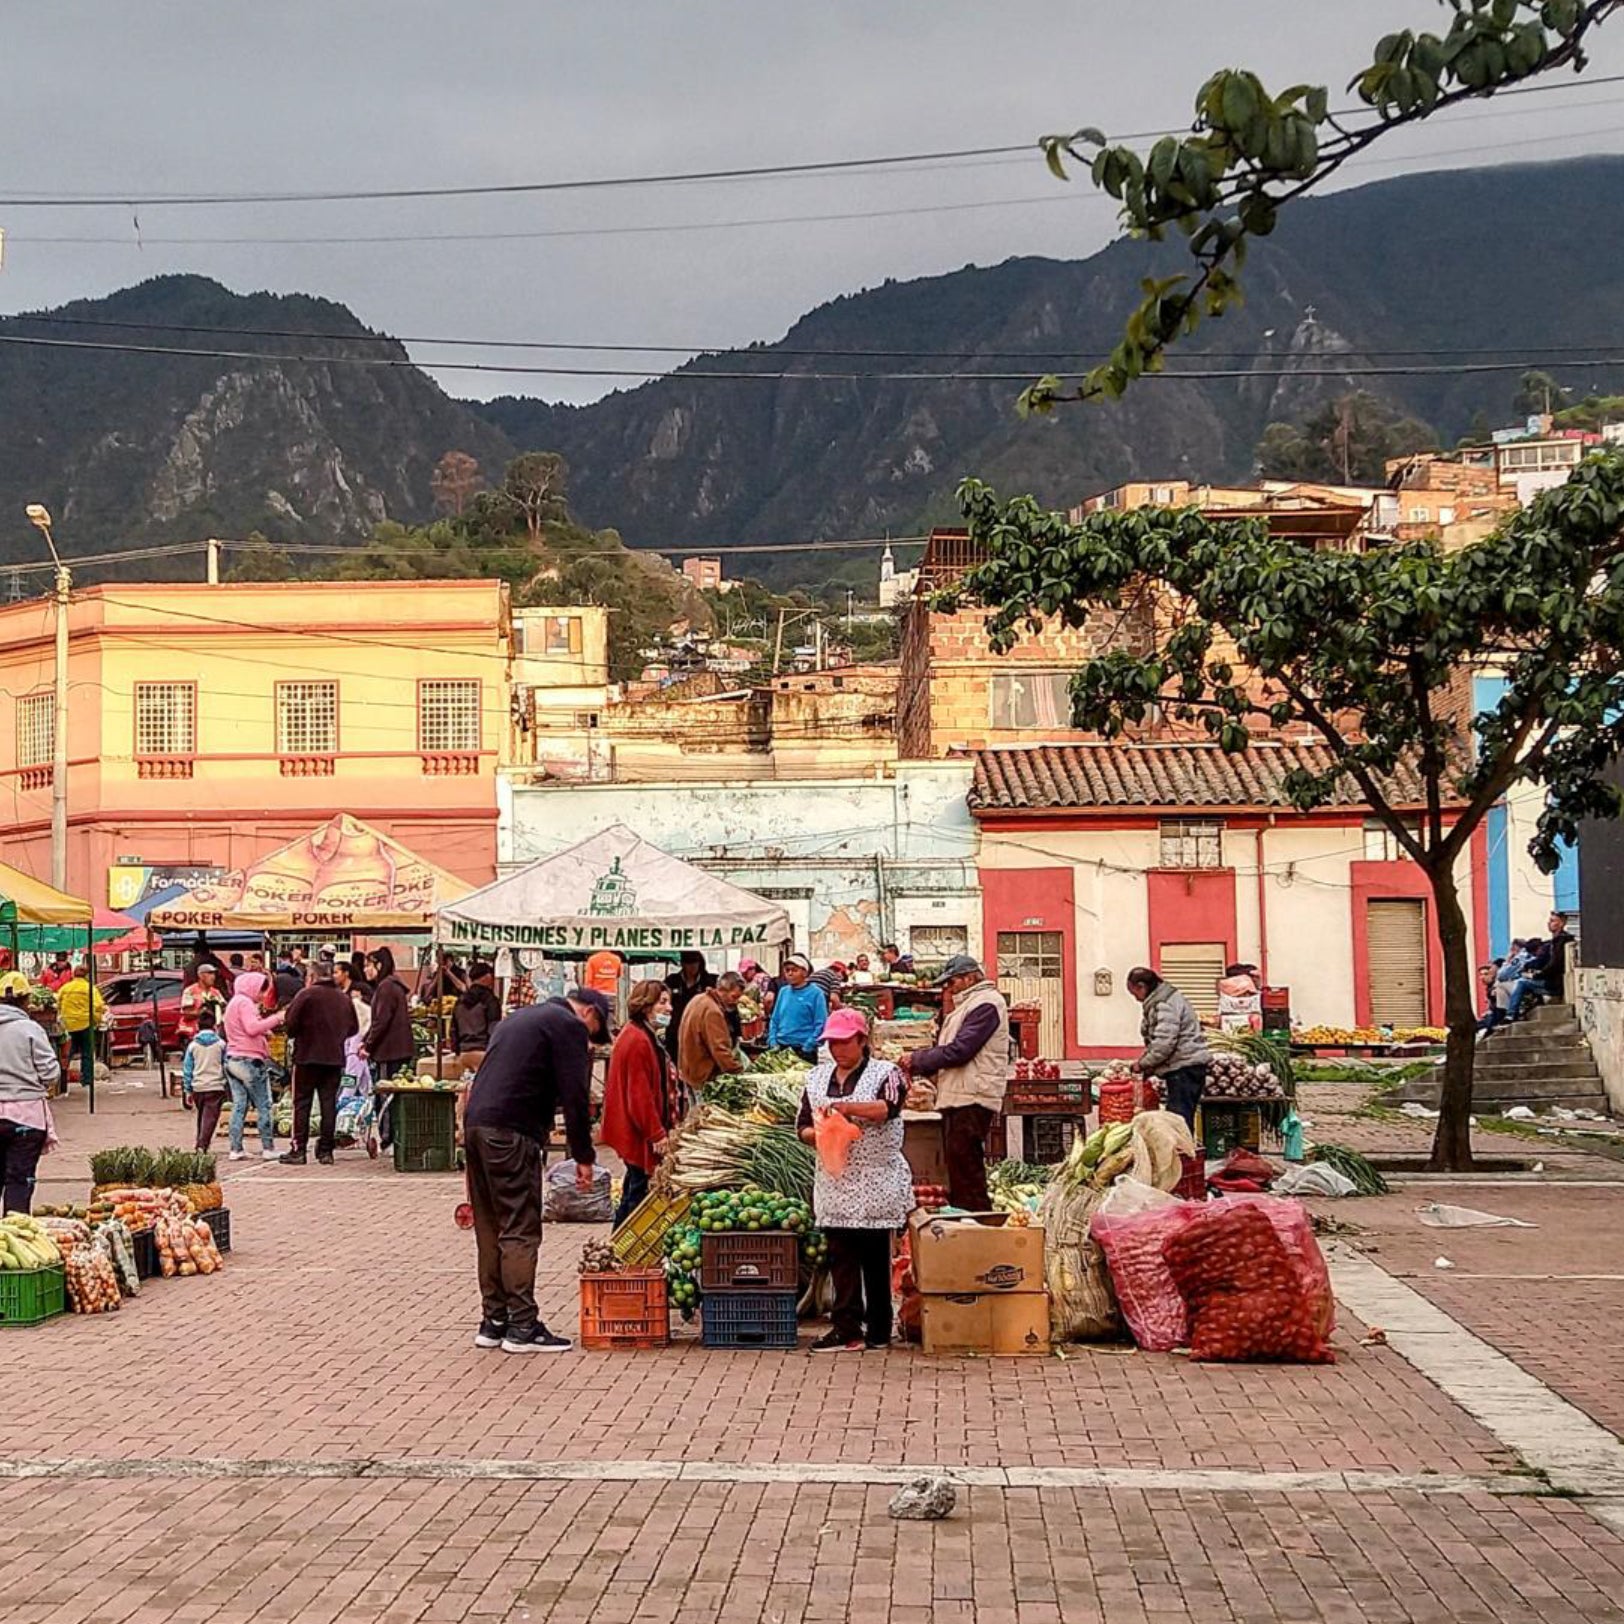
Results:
<point x="40" y="518"/>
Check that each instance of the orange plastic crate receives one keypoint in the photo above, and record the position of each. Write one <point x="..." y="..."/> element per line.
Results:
<point x="628" y="1310"/>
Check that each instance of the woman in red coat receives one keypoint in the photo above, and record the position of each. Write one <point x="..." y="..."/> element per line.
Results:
<point x="637" y="1092"/>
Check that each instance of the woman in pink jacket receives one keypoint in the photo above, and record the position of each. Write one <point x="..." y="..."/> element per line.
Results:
<point x="248" y="1060"/>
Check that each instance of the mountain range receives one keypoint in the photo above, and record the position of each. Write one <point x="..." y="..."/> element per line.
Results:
<point x="1455" y="278"/>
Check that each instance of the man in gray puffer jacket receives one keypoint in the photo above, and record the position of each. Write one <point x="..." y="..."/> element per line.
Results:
<point x="28" y="1069"/>
<point x="1175" y="1049"/>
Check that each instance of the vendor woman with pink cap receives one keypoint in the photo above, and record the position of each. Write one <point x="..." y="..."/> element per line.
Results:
<point x="860" y="1208"/>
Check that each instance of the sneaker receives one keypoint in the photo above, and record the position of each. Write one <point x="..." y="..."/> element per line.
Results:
<point x="325" y="1157"/>
<point x="873" y="1346"/>
<point x="238" y="1156"/>
<point x="834" y="1342"/>
<point x="270" y="1155"/>
<point x="538" y="1339"/>
<point x="294" y="1158"/>
<point x="489" y="1334"/>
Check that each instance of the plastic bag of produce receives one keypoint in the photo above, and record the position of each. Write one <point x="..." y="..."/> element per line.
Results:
<point x="1081" y="1307"/>
<point x="1133" y="1223"/>
<point x="114" y="1236"/>
<point x="91" y="1285"/>
<point x="1242" y="1172"/>
<point x="1254" y="1283"/>
<point x="564" y="1202"/>
<point x="835" y="1136"/>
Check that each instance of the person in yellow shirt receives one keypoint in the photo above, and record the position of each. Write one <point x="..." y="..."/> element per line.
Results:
<point x="81" y="1009"/>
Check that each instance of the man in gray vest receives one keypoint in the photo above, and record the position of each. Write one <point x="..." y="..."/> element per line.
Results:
<point x="970" y="1064"/>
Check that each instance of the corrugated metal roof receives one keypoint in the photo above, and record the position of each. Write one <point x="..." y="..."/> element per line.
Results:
<point x="1044" y="777"/>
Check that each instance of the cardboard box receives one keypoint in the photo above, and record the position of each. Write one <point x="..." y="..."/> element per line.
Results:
<point x="1001" y="1326"/>
<point x="978" y="1252"/>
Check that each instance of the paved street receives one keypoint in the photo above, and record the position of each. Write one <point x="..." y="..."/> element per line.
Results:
<point x="311" y="1435"/>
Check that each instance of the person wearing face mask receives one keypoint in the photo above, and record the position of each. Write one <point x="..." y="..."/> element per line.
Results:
<point x="637" y="1092"/>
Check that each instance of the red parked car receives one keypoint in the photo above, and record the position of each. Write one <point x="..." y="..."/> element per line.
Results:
<point x="129" y="1005"/>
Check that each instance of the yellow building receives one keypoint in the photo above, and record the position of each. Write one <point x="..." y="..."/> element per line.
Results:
<point x="210" y="724"/>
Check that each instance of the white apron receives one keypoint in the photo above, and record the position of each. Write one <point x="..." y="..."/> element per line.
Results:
<point x="876" y="1189"/>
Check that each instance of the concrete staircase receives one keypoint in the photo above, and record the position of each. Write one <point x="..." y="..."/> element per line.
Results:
<point x="1542" y="1062"/>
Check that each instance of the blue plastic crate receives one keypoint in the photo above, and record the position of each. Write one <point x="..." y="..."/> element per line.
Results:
<point x="748" y="1319"/>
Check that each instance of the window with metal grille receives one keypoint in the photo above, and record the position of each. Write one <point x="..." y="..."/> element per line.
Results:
<point x="448" y="714"/>
<point x="1192" y="843"/>
<point x="36" y="730"/>
<point x="307" y="718"/>
<point x="165" y="719"/>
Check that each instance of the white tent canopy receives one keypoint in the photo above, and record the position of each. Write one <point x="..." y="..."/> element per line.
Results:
<point x="613" y="890"/>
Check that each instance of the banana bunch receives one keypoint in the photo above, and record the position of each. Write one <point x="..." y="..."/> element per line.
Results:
<point x="24" y="1244"/>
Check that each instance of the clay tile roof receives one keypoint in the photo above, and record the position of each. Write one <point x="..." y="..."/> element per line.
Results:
<point x="1045" y="777"/>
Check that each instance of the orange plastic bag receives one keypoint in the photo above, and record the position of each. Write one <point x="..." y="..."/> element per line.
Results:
<point x="834" y="1134"/>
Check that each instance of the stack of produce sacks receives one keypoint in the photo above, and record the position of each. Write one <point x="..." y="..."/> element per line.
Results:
<point x="1236" y="1279"/>
<point x="1081" y="1308"/>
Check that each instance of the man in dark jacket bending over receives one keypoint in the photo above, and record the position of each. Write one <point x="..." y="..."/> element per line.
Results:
<point x="539" y="1060"/>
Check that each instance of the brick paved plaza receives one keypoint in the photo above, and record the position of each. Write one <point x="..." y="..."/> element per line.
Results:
<point x="312" y="1436"/>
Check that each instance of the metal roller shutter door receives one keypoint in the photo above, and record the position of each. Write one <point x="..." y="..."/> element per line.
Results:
<point x="1195" y="968"/>
<point x="1396" y="950"/>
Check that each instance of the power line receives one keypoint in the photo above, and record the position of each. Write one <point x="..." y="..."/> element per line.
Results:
<point x="138" y="199"/>
<point x="768" y="351"/>
<point x="700" y="374"/>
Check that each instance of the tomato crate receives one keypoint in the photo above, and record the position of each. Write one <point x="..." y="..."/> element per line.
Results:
<point x="627" y="1310"/>
<point x="32" y="1296"/>
<point x="639" y="1243"/>
<point x="750" y="1260"/>
<point x="424" y="1126"/>
<point x="219" y="1221"/>
<point x="748" y="1319"/>
<point x="1029" y="1096"/>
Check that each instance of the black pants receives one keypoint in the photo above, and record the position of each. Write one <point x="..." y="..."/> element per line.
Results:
<point x="860" y="1265"/>
<point x="320" y="1083"/>
<point x="504" y="1189"/>
<point x="207" y="1107"/>
<point x="386" y="1071"/>
<point x="964" y="1133"/>
<point x="632" y="1193"/>
<point x="20" y="1151"/>
<point x="1185" y="1087"/>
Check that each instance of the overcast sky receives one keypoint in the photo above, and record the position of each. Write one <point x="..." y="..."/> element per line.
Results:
<point x="187" y="96"/>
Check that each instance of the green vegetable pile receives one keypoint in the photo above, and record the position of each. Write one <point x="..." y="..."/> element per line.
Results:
<point x="1016" y="1186"/>
<point x="716" y="1212"/>
<point x="1350" y="1164"/>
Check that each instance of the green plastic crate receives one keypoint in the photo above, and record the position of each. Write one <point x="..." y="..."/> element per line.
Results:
<point x="425" y="1131"/>
<point x="32" y="1296"/>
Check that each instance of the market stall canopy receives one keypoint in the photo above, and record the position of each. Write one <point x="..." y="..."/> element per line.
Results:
<point x="613" y="890"/>
<point x="27" y="901"/>
<point x="345" y="875"/>
<point x="113" y="933"/>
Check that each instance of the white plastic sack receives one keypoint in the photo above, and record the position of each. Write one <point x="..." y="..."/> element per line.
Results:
<point x="1127" y="1198"/>
<point x="1437" y="1215"/>
<point x="1314" y="1178"/>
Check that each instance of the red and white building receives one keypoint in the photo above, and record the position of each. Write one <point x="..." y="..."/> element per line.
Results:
<point x="1096" y="857"/>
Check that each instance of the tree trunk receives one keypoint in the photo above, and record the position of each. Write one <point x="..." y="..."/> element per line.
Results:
<point x="1452" y="1145"/>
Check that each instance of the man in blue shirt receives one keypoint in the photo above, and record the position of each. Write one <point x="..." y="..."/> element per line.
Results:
<point x="799" y="1010"/>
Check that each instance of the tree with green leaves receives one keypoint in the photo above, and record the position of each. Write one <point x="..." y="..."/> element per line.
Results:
<point x="1348" y="440"/>
<point x="1250" y="153"/>
<point x="1363" y="648"/>
<point x="1537" y="392"/>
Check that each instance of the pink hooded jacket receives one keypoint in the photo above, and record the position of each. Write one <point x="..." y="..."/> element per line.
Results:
<point x="246" y="1028"/>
